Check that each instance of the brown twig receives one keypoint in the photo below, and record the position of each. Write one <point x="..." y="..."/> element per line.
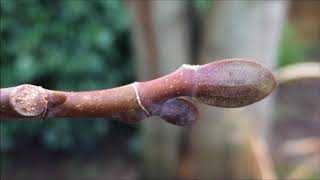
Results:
<point x="225" y="83"/>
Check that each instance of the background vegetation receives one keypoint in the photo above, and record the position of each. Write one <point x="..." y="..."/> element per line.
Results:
<point x="67" y="45"/>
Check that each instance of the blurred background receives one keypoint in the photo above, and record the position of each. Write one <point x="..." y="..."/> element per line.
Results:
<point x="77" y="45"/>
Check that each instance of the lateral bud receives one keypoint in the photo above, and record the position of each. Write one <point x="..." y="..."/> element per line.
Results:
<point x="179" y="111"/>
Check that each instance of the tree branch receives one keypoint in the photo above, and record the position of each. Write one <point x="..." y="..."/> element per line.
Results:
<point x="225" y="83"/>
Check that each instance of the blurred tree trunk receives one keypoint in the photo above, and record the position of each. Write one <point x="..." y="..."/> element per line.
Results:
<point x="305" y="16"/>
<point x="240" y="29"/>
<point x="162" y="45"/>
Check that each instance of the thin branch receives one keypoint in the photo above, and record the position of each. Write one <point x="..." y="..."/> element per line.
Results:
<point x="225" y="83"/>
<point x="299" y="71"/>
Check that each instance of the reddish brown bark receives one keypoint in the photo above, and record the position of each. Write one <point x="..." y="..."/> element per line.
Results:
<point x="225" y="83"/>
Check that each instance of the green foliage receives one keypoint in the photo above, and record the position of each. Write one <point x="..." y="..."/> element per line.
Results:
<point x="66" y="45"/>
<point x="202" y="6"/>
<point x="291" y="49"/>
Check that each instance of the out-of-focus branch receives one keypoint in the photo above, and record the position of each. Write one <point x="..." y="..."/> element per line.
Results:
<point x="298" y="71"/>
<point x="225" y="83"/>
<point x="301" y="147"/>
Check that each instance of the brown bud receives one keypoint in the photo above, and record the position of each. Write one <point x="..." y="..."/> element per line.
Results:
<point x="232" y="83"/>
<point x="179" y="111"/>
